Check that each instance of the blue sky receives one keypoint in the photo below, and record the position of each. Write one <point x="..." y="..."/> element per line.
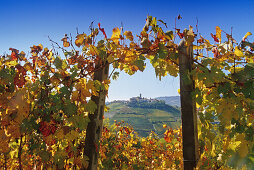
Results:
<point x="26" y="23"/>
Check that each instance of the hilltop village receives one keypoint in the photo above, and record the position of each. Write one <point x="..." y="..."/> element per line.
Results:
<point x="138" y="99"/>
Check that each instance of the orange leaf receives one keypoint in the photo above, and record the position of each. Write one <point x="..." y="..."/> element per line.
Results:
<point x="80" y="39"/>
<point x="128" y="35"/>
<point x="65" y="42"/>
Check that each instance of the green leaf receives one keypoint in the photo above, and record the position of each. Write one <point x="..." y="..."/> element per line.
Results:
<point x="70" y="109"/>
<point x="140" y="64"/>
<point x="45" y="156"/>
<point x="90" y="107"/>
<point x="199" y="98"/>
<point x="249" y="70"/>
<point x="115" y="75"/>
<point x="162" y="52"/>
<point x="224" y="89"/>
<point x="74" y="71"/>
<point x="79" y="121"/>
<point x="59" y="63"/>
<point x="65" y="91"/>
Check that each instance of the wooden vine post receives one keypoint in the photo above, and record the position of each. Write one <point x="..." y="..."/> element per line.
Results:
<point x="94" y="128"/>
<point x="188" y="107"/>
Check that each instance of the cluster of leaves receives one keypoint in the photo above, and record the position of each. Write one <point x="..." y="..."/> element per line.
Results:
<point x="44" y="104"/>
<point x="225" y="98"/>
<point x="121" y="148"/>
<point x="223" y="73"/>
<point x="45" y="99"/>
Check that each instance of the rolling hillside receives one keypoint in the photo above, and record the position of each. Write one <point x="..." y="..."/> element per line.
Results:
<point x="171" y="100"/>
<point x="144" y="115"/>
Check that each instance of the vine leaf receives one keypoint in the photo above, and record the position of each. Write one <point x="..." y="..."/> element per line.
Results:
<point x="116" y="35"/>
<point x="79" y="39"/>
<point x="128" y="35"/>
<point x="246" y="35"/>
<point x="102" y="30"/>
<point x="65" y="42"/>
<point x="218" y="33"/>
<point x="238" y="52"/>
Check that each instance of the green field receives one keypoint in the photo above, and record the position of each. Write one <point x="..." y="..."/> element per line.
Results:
<point x="143" y="120"/>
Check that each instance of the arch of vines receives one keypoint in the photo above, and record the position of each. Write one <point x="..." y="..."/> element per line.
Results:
<point x="45" y="99"/>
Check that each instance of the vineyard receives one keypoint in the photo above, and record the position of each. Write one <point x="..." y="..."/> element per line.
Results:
<point x="52" y="101"/>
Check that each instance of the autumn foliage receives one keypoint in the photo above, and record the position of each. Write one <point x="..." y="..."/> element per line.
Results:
<point x="121" y="148"/>
<point x="45" y="99"/>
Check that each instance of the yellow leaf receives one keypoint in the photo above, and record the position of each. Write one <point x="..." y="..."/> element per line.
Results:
<point x="110" y="58"/>
<point x="66" y="44"/>
<point x="238" y="52"/>
<point x="60" y="134"/>
<point x="218" y="33"/>
<point x="85" y="93"/>
<point x="128" y="35"/>
<point x="243" y="149"/>
<point x="48" y="139"/>
<point x="4" y="146"/>
<point x="13" y="130"/>
<point x="23" y="110"/>
<point x="40" y="46"/>
<point x="79" y="39"/>
<point x="75" y="96"/>
<point x="240" y="137"/>
<point x="72" y="135"/>
<point x="93" y="50"/>
<point x="213" y="150"/>
<point x="200" y="47"/>
<point x="246" y="35"/>
<point x="28" y="66"/>
<point x="178" y="91"/>
<point x="116" y="35"/>
<point x="234" y="145"/>
<point x="189" y="35"/>
<point x="54" y="80"/>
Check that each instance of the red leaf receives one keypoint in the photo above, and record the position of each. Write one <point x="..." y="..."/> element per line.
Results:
<point x="181" y="35"/>
<point x="36" y="49"/>
<point x="102" y="30"/>
<point x="14" y="53"/>
<point x="44" y="129"/>
<point x="19" y="80"/>
<point x="215" y="52"/>
<point x="215" y="38"/>
<point x="96" y="147"/>
<point x="21" y="69"/>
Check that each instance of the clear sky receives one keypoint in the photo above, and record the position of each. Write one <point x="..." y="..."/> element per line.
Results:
<point x="29" y="22"/>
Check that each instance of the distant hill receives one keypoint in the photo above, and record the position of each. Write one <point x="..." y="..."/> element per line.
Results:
<point x="171" y="100"/>
<point x="144" y="115"/>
